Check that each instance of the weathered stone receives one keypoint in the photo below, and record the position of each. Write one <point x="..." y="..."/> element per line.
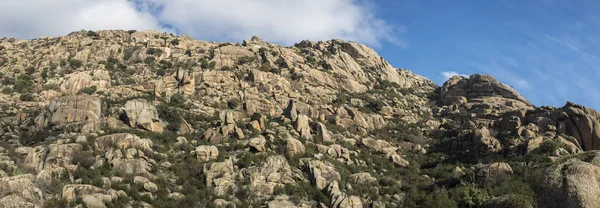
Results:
<point x="75" y="113"/>
<point x="205" y="153"/>
<point x="141" y="114"/>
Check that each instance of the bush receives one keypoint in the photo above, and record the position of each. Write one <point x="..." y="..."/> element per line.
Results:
<point x="149" y="60"/>
<point x="7" y="90"/>
<point x="226" y="68"/>
<point x="246" y="59"/>
<point x="275" y="70"/>
<point x="51" y="86"/>
<point x="154" y="51"/>
<point x="274" y="53"/>
<point x="30" y="70"/>
<point x="188" y="53"/>
<point x="23" y="84"/>
<point x="88" y="90"/>
<point x="233" y="103"/>
<point x="131" y="31"/>
<point x="44" y="73"/>
<point x="469" y="195"/>
<point x="175" y="42"/>
<point x="440" y="199"/>
<point x="26" y="97"/>
<point x="177" y="100"/>
<point x="74" y="63"/>
<point x="92" y="34"/>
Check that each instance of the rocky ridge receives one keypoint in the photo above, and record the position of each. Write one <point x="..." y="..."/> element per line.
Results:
<point x="149" y="119"/>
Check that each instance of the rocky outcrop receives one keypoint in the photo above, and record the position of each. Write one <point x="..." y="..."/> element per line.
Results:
<point x="205" y="153"/>
<point x="580" y="122"/>
<point x="493" y="171"/>
<point x="75" y="82"/>
<point x="294" y="147"/>
<point x="20" y="187"/>
<point x="139" y="113"/>
<point x="573" y="183"/>
<point x="275" y="172"/>
<point x="122" y="141"/>
<point x="221" y="176"/>
<point x="75" y="113"/>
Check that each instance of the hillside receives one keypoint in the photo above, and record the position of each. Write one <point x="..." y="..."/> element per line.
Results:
<point x="149" y="119"/>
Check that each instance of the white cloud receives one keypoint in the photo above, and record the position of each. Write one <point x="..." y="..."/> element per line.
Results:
<point x="282" y="21"/>
<point x="35" y="18"/>
<point x="449" y="74"/>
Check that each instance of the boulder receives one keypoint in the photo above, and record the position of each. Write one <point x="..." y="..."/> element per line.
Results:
<point x="138" y="113"/>
<point x="205" y="153"/>
<point x="493" y="171"/>
<point x="75" y="113"/>
<point x="258" y="143"/>
<point x="123" y="141"/>
<point x="294" y="147"/>
<point x="572" y="183"/>
<point x="580" y="122"/>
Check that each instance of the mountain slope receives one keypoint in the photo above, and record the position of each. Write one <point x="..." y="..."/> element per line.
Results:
<point x="128" y="118"/>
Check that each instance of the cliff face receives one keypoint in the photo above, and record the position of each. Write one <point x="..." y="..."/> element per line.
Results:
<point x="132" y="118"/>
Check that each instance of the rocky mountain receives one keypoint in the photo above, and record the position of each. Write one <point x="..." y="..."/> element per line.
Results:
<point x="149" y="119"/>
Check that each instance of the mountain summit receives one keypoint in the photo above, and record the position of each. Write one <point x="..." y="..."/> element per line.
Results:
<point x="149" y="119"/>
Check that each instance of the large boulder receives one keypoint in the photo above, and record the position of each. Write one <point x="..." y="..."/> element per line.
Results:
<point x="21" y="186"/>
<point x="138" y="113"/>
<point x="75" y="113"/>
<point x="574" y="183"/>
<point x="205" y="153"/>
<point x="80" y="80"/>
<point x="580" y="122"/>
<point x="294" y="147"/>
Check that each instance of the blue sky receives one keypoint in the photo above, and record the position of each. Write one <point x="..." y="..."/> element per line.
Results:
<point x="547" y="50"/>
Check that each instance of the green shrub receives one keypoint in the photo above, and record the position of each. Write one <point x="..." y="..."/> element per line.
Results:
<point x="131" y="31"/>
<point x="178" y="100"/>
<point x="204" y="63"/>
<point x="275" y="70"/>
<point x="75" y="64"/>
<point x="92" y="34"/>
<point x="468" y="195"/>
<point x="274" y="53"/>
<point x="88" y="90"/>
<point x="175" y="42"/>
<point x="440" y="199"/>
<point x="44" y="73"/>
<point x="51" y="86"/>
<point x="26" y="97"/>
<point x="188" y="53"/>
<point x="233" y="103"/>
<point x="149" y="60"/>
<point x="30" y="70"/>
<point x="23" y="84"/>
<point x="154" y="51"/>
<point x="56" y="202"/>
<point x="246" y="59"/>
<point x="7" y="90"/>
<point x="226" y="68"/>
<point x="161" y="72"/>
